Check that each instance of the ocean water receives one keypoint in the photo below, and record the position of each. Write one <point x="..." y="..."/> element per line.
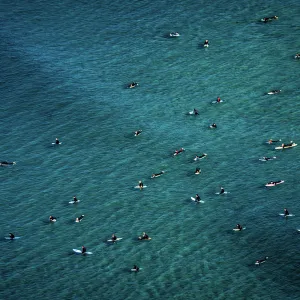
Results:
<point x="64" y="70"/>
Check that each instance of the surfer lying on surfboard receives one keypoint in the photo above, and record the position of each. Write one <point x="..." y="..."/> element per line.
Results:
<point x="136" y="133"/>
<point x="239" y="227"/>
<point x="176" y="152"/>
<point x="260" y="261"/>
<point x="77" y="220"/>
<point x="6" y="163"/>
<point x="270" y="141"/>
<point x="157" y="174"/>
<point x="200" y="156"/>
<point x="52" y="219"/>
<point x="135" y="268"/>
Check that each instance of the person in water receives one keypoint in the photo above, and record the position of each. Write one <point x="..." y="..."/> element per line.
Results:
<point x="178" y="151"/>
<point x="136" y="268"/>
<point x="141" y="185"/>
<point x="83" y="249"/>
<point x="113" y="237"/>
<point x="274" y="92"/>
<point x="196" y="111"/>
<point x="57" y="141"/>
<point x="297" y="55"/>
<point x="145" y="236"/>
<point x="6" y="163"/>
<point x="11" y="236"/>
<point x="133" y="85"/>
<point x="75" y="199"/>
<point x="239" y="227"/>
<point x="206" y="43"/>
<point x="259" y="261"/>
<point x="79" y="218"/>
<point x="136" y="133"/>
<point x="157" y="174"/>
<point x="286" y="213"/>
<point x="214" y="125"/>
<point x="197" y="171"/>
<point x="218" y="99"/>
<point x="197" y="198"/>
<point x="287" y="145"/>
<point x="52" y="219"/>
<point x="222" y="191"/>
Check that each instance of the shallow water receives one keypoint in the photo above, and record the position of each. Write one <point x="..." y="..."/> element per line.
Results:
<point x="64" y="72"/>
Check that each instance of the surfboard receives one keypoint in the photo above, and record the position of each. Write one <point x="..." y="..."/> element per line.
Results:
<point x="52" y="221"/>
<point x="214" y="102"/>
<point x="222" y="193"/>
<point x="194" y="199"/>
<point x="118" y="239"/>
<point x="205" y="45"/>
<point x="259" y="263"/>
<point x="138" y="187"/>
<point x="57" y="144"/>
<point x="201" y="157"/>
<point x="273" y="93"/>
<point x="286" y="147"/>
<point x="141" y="238"/>
<point x="236" y="229"/>
<point x="73" y="202"/>
<point x="283" y="215"/>
<point x="274" y="184"/>
<point x="15" y="238"/>
<point x="77" y="251"/>
<point x="135" y="270"/>
<point x="269" y="158"/>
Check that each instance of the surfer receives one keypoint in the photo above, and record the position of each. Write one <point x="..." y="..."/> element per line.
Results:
<point x="11" y="236"/>
<point x="6" y="163"/>
<point x="268" y="158"/>
<point x="136" y="133"/>
<point x="200" y="157"/>
<point x="83" y="249"/>
<point x="214" y="125"/>
<point x="197" y="198"/>
<point x="274" y="92"/>
<point x="144" y="236"/>
<point x="157" y="174"/>
<point x="52" y="219"/>
<point x="222" y="191"/>
<point x="75" y="199"/>
<point x="297" y="55"/>
<point x="260" y="261"/>
<point x="141" y="185"/>
<point x="135" y="268"/>
<point x="132" y="85"/>
<point x="178" y="151"/>
<point x="113" y="237"/>
<point x="79" y="218"/>
<point x="239" y="227"/>
<point x="57" y="141"/>
<point x="197" y="171"/>
<point x="286" y="213"/>
<point x="270" y="141"/>
<point x="206" y="43"/>
<point x="287" y="145"/>
<point x="195" y="111"/>
<point x="218" y="100"/>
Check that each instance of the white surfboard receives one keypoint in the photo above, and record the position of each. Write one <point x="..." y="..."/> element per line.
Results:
<point x="283" y="215"/>
<point x="194" y="199"/>
<point x="214" y="102"/>
<point x="15" y="238"/>
<point x="236" y="229"/>
<point x="135" y="270"/>
<point x="268" y="158"/>
<point x="219" y="193"/>
<point x="57" y="144"/>
<point x="138" y="187"/>
<point x="286" y="147"/>
<point x="118" y="239"/>
<point x="73" y="202"/>
<point x="77" y="251"/>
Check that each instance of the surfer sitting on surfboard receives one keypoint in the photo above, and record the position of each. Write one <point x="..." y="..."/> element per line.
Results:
<point x="113" y="237"/>
<point x="196" y="111"/>
<point x="83" y="249"/>
<point x="218" y="100"/>
<point x="135" y="268"/>
<point x="197" y="198"/>
<point x="239" y="227"/>
<point x="56" y="141"/>
<point x="11" y="236"/>
<point x="144" y="236"/>
<point x="286" y="213"/>
<point x="75" y="199"/>
<point x="52" y="219"/>
<point x="206" y="43"/>
<point x="141" y="185"/>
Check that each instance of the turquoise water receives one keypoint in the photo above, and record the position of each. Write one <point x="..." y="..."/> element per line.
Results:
<point x="64" y="69"/>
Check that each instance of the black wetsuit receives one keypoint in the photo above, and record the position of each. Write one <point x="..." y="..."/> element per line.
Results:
<point x="12" y="236"/>
<point x="83" y="250"/>
<point x="197" y="198"/>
